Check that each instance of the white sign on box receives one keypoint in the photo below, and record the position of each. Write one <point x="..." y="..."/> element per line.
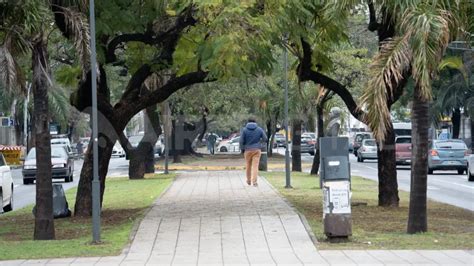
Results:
<point x="336" y="197"/>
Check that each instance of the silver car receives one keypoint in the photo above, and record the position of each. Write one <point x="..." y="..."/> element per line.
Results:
<point x="367" y="150"/>
<point x="470" y="168"/>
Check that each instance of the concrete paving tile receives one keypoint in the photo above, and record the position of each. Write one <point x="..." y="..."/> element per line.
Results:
<point x="11" y="262"/>
<point x="412" y="257"/>
<point x="361" y="257"/>
<point x="35" y="262"/>
<point x="336" y="257"/>
<point x="386" y="257"/>
<point x="460" y="255"/>
<point x="437" y="256"/>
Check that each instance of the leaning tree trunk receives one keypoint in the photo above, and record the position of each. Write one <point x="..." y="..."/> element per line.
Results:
<point x="456" y="120"/>
<point x="417" y="216"/>
<point x="44" y="220"/>
<point x="387" y="170"/>
<point x="142" y="158"/>
<point x="317" y="155"/>
<point x="107" y="139"/>
<point x="296" y="146"/>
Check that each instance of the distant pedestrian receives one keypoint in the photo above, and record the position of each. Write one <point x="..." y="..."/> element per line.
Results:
<point x="79" y="148"/>
<point x="211" y="142"/>
<point x="250" y="138"/>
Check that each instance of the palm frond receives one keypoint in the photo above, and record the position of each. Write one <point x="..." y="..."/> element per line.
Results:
<point x="428" y="42"/>
<point x="11" y="75"/>
<point x="79" y="27"/>
<point x="386" y="72"/>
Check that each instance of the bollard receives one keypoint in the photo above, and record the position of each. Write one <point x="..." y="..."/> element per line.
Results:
<point x="263" y="163"/>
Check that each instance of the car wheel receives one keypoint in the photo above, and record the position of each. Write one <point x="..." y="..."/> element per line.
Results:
<point x="9" y="207"/>
<point x="430" y="171"/>
<point x="460" y="172"/>
<point x="26" y="181"/>
<point x="361" y="159"/>
<point x="223" y="149"/>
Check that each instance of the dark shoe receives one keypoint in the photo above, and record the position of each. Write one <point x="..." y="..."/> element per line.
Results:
<point x="255" y="184"/>
<point x="248" y="182"/>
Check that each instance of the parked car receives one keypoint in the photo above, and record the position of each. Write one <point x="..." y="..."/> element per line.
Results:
<point x="6" y="186"/>
<point x="367" y="150"/>
<point x="358" y="138"/>
<point x="279" y="141"/>
<point x="160" y="146"/>
<point x="311" y="135"/>
<point x="403" y="150"/>
<point x="60" y="140"/>
<point x="231" y="145"/>
<point x="470" y="168"/>
<point x="307" y="144"/>
<point x="117" y="150"/>
<point x="450" y="154"/>
<point x="61" y="162"/>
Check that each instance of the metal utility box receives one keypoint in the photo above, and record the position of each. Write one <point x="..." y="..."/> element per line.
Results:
<point x="334" y="159"/>
<point x="335" y="182"/>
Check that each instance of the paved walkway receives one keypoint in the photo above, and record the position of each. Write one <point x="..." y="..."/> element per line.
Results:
<point x="214" y="218"/>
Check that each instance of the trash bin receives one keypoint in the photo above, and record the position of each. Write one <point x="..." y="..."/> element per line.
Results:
<point x="335" y="182"/>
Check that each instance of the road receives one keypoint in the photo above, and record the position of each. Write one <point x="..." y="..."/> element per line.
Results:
<point x="24" y="195"/>
<point x="443" y="186"/>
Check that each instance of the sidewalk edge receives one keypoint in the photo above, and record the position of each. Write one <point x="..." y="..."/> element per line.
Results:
<point x="137" y="223"/>
<point x="303" y="219"/>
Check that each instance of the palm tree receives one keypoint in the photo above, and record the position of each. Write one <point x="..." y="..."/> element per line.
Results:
<point x="26" y="26"/>
<point x="423" y="32"/>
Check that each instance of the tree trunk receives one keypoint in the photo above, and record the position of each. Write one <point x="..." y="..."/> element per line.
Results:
<point x="387" y="171"/>
<point x="173" y="150"/>
<point x="269" y="134"/>
<point x="417" y="216"/>
<point x="296" y="146"/>
<point x="44" y="220"/>
<point x="317" y="155"/>
<point x="142" y="158"/>
<point x="456" y="120"/>
<point x="107" y="139"/>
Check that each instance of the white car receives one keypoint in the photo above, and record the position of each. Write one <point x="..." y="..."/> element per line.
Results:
<point x="470" y="168"/>
<point x="229" y="146"/>
<point x="118" y="150"/>
<point x="6" y="186"/>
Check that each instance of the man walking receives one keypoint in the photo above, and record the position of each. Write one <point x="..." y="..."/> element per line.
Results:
<point x="250" y="138"/>
<point x="211" y="142"/>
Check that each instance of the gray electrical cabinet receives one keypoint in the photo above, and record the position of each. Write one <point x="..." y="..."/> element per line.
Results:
<point x="335" y="181"/>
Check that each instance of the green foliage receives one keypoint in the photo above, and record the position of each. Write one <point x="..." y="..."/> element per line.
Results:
<point x="67" y="75"/>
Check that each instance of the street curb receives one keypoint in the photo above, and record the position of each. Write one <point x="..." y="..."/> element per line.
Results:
<point x="303" y="219"/>
<point x="138" y="221"/>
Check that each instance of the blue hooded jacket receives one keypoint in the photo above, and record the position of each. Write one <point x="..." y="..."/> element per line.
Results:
<point x="250" y="137"/>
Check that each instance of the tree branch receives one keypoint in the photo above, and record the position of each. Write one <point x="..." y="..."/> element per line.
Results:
<point x="373" y="24"/>
<point x="305" y="73"/>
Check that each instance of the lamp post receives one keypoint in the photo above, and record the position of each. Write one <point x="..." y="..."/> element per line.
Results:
<point x="287" y="150"/>
<point x="95" y="147"/>
<point x="25" y="116"/>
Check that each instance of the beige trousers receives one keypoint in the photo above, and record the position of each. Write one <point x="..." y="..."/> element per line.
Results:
<point x="252" y="158"/>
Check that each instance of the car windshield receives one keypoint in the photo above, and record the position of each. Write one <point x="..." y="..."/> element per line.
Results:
<point x="306" y="138"/>
<point x="403" y="140"/>
<point x="56" y="152"/>
<point x="369" y="142"/>
<point x="451" y="145"/>
<point x="361" y="137"/>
